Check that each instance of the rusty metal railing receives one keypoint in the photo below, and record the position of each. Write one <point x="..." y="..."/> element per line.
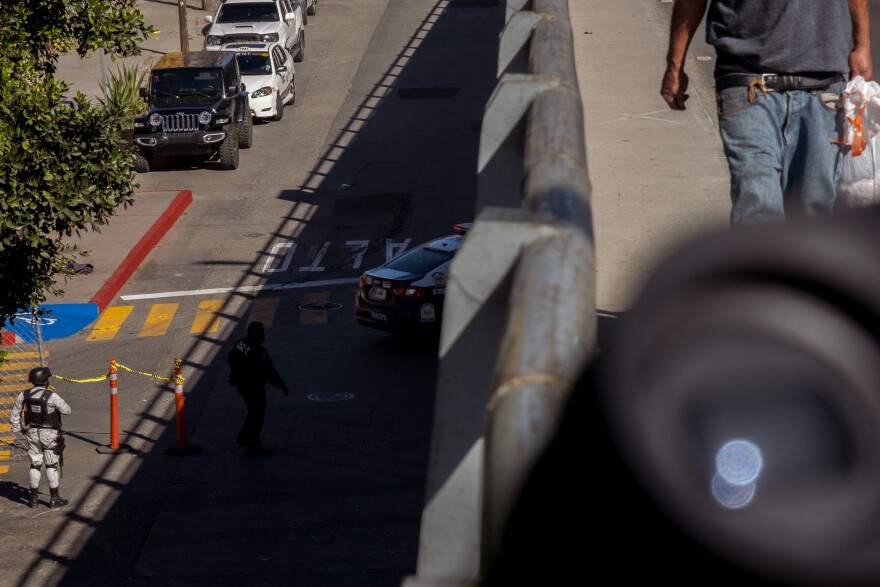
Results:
<point x="520" y="316"/>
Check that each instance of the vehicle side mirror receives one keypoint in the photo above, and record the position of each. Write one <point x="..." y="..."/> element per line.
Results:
<point x="243" y="87"/>
<point x="143" y="92"/>
<point x="209" y="19"/>
<point x="282" y="69"/>
<point x="233" y="89"/>
<point x="289" y="16"/>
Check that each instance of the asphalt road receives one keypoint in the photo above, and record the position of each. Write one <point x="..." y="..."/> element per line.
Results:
<point x="378" y="152"/>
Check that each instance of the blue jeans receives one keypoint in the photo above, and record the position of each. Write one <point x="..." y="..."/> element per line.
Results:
<point x="780" y="155"/>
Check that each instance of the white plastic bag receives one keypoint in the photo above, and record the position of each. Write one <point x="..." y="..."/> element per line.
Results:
<point x="859" y="184"/>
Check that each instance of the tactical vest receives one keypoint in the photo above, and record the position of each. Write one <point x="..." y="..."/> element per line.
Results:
<point x="37" y="409"/>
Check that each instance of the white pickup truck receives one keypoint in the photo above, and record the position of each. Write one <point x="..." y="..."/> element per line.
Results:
<point x="258" y="21"/>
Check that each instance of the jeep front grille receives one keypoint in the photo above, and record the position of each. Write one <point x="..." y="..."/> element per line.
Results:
<point x="180" y="122"/>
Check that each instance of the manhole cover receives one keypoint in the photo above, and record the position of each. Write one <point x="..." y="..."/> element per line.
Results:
<point x="329" y="396"/>
<point x="320" y="306"/>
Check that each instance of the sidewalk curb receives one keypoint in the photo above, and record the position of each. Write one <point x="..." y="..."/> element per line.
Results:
<point x="139" y="252"/>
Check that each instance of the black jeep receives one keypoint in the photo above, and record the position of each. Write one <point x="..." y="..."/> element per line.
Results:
<point x="198" y="105"/>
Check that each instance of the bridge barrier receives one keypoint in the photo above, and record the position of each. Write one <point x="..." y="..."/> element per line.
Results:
<point x="520" y="320"/>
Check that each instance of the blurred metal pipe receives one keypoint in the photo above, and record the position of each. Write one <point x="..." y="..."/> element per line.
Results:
<point x="550" y="333"/>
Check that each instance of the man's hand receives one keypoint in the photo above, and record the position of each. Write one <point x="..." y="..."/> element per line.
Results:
<point x="860" y="63"/>
<point x="674" y="88"/>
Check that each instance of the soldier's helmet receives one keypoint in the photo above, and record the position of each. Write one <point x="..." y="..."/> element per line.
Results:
<point x="39" y="375"/>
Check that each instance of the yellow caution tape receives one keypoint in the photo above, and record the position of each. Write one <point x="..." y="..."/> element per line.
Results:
<point x="177" y="378"/>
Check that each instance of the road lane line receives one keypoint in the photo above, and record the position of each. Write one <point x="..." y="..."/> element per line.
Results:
<point x="241" y="289"/>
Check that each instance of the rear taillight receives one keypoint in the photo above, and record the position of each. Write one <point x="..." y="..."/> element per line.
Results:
<point x="411" y="291"/>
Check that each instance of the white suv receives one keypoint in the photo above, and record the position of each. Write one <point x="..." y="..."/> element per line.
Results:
<point x="258" y="21"/>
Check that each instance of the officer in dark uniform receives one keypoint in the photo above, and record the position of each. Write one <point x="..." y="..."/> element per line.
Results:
<point x="251" y="369"/>
<point x="42" y="426"/>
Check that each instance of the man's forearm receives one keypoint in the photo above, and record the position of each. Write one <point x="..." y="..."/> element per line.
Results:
<point x="686" y="18"/>
<point x="861" y="27"/>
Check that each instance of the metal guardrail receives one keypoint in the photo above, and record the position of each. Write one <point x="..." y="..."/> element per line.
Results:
<point x="520" y="318"/>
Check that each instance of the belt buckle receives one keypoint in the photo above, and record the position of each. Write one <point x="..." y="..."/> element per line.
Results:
<point x="772" y="79"/>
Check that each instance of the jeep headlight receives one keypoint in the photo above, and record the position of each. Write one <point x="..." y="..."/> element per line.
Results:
<point x="205" y="117"/>
<point x="264" y="91"/>
<point x="155" y="119"/>
<point x="214" y="40"/>
<point x="270" y="38"/>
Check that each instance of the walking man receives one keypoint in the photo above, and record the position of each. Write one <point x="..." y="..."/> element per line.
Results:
<point x="251" y="369"/>
<point x="780" y="67"/>
<point x="42" y="410"/>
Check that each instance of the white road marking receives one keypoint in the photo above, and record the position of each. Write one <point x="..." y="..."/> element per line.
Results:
<point x="240" y="289"/>
<point x="361" y="247"/>
<point x="275" y="254"/>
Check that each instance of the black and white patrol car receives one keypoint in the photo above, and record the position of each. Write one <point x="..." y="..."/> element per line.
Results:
<point x="406" y="294"/>
<point x="268" y="71"/>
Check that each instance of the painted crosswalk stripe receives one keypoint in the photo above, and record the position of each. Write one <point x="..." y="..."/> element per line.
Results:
<point x="308" y="316"/>
<point x="158" y="320"/>
<point x="206" y="319"/>
<point x="110" y="322"/>
<point x="263" y="310"/>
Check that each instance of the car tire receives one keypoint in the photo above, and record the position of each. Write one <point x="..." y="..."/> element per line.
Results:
<point x="279" y="109"/>
<point x="292" y="91"/>
<point x="245" y="130"/>
<point x="305" y="17"/>
<point x="301" y="47"/>
<point x="229" y="149"/>
<point x="142" y="163"/>
<point x="313" y="9"/>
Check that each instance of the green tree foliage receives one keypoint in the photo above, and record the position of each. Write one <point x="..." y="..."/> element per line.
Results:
<point x="63" y="170"/>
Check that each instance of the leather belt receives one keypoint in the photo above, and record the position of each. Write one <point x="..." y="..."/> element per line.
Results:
<point x="778" y="82"/>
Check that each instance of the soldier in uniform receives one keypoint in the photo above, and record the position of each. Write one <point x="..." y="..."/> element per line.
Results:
<point x="41" y="410"/>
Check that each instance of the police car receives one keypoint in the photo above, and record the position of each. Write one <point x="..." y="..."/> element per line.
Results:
<point x="268" y="72"/>
<point x="405" y="295"/>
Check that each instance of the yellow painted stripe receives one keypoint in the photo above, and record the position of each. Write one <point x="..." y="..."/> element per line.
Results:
<point x="314" y="316"/>
<point x="5" y="454"/>
<point x="18" y="365"/>
<point x="7" y="439"/>
<point x="264" y="310"/>
<point x="5" y="427"/>
<point x="206" y="319"/>
<point x="4" y="469"/>
<point x="7" y="399"/>
<point x="110" y="322"/>
<point x="158" y="320"/>
<point x="15" y="387"/>
<point x="25" y="355"/>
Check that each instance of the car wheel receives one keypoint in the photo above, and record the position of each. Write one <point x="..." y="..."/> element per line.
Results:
<point x="142" y="163"/>
<point x="301" y="52"/>
<point x="313" y="9"/>
<point x="279" y="108"/>
<point x="292" y="91"/>
<point x="245" y="130"/>
<point x="229" y="149"/>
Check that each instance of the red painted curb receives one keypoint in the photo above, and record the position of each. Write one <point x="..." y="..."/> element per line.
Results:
<point x="140" y="251"/>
